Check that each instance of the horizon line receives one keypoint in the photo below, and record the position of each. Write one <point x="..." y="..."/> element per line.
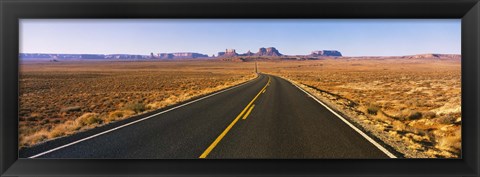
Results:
<point x="237" y="53"/>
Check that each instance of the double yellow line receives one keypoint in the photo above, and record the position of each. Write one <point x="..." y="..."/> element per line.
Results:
<point x="249" y="107"/>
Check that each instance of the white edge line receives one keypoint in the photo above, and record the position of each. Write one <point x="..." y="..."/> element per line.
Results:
<point x="139" y="120"/>
<point x="388" y="153"/>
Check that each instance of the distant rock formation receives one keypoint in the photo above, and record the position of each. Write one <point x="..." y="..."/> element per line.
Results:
<point x="27" y="56"/>
<point x="164" y="56"/>
<point x="228" y="53"/>
<point x="430" y="56"/>
<point x="124" y="56"/>
<point x="180" y="55"/>
<point x="434" y="56"/>
<point x="330" y="53"/>
<point x="270" y="51"/>
<point x="248" y="53"/>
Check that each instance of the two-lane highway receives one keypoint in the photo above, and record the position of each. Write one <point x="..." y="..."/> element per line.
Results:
<point x="265" y="118"/>
<point x="287" y="123"/>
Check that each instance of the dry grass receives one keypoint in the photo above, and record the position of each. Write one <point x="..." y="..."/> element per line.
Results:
<point x="60" y="98"/>
<point x="412" y="104"/>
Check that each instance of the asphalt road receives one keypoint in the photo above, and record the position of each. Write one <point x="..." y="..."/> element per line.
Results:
<point x="264" y="118"/>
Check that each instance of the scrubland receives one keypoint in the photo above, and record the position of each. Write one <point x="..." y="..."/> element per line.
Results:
<point x="413" y="105"/>
<point x="57" y="99"/>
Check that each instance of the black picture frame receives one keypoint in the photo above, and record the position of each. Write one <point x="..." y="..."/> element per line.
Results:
<point x="13" y="10"/>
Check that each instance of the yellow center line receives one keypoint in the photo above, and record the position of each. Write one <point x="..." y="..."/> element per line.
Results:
<point x="220" y="137"/>
<point x="248" y="112"/>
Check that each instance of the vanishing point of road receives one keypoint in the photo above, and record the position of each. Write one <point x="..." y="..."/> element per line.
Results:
<point x="267" y="117"/>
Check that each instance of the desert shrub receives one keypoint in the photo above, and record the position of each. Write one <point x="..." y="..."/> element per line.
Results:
<point x="57" y="132"/>
<point x="45" y="121"/>
<point x="414" y="115"/>
<point x="136" y="107"/>
<point x="430" y="114"/>
<point x="36" y="137"/>
<point x="71" y="109"/>
<point x="373" y="110"/>
<point x="88" y="119"/>
<point x="351" y="104"/>
<point x="398" y="125"/>
<point x="31" y="118"/>
<point x="64" y="128"/>
<point x="451" y="143"/>
<point x="408" y="114"/>
<point x="155" y="105"/>
<point x="118" y="114"/>
<point x="447" y="119"/>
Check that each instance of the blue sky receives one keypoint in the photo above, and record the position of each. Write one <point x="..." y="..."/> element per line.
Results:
<point x="368" y="37"/>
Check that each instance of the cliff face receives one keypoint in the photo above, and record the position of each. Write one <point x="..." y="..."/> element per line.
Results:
<point x="332" y="53"/>
<point x="271" y="51"/>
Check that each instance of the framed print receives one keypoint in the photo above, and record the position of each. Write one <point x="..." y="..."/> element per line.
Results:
<point x="222" y="88"/>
